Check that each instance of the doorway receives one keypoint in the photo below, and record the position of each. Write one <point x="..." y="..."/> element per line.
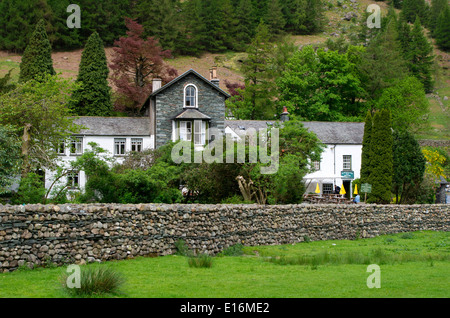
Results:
<point x="348" y="189"/>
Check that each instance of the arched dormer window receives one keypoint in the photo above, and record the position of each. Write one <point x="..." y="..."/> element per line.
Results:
<point x="190" y="96"/>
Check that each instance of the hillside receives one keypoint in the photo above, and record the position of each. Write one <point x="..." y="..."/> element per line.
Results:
<point x="67" y="63"/>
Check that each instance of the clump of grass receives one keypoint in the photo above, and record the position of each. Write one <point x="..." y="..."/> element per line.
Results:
<point x="375" y="256"/>
<point x="233" y="250"/>
<point x="407" y="236"/>
<point x="95" y="281"/>
<point x="182" y="248"/>
<point x="200" y="261"/>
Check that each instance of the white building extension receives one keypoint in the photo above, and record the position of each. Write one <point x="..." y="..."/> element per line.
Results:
<point x="341" y="159"/>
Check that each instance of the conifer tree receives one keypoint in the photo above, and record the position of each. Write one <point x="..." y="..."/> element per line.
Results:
<point x="420" y="56"/>
<point x="381" y="161"/>
<point x="412" y="8"/>
<point x="93" y="98"/>
<point x="275" y="19"/>
<point x="37" y="58"/>
<point x="244" y="17"/>
<point x="437" y="7"/>
<point x="442" y="32"/>
<point x="365" y="154"/>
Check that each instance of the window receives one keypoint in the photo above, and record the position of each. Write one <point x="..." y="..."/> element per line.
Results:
<point x="199" y="132"/>
<point x="61" y="148"/>
<point x="119" y="146"/>
<point x="73" y="179"/>
<point x="76" y="146"/>
<point x="316" y="165"/>
<point x="186" y="130"/>
<point x="136" y="144"/>
<point x="190" y="96"/>
<point x="327" y="188"/>
<point x="347" y="162"/>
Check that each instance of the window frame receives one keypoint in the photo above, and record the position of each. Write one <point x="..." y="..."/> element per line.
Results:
<point x="137" y="142"/>
<point x="195" y="97"/>
<point x="73" y="179"/>
<point x="74" y="143"/>
<point x="325" y="190"/>
<point x="61" y="148"/>
<point x="347" y="164"/>
<point x="120" y="142"/>
<point x="316" y="165"/>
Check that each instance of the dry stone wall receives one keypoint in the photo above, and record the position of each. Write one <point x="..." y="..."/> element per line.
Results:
<point x="64" y="234"/>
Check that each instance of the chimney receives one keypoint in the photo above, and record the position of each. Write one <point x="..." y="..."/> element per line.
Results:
<point x="213" y="76"/>
<point x="284" y="115"/>
<point x="156" y="84"/>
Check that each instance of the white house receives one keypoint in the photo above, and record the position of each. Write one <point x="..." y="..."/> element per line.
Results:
<point x="192" y="108"/>
<point x="341" y="159"/>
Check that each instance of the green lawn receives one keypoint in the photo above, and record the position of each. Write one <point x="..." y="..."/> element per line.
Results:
<point x="413" y="265"/>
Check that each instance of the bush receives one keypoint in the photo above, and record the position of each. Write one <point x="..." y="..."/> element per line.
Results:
<point x="95" y="281"/>
<point x="31" y="190"/>
<point x="233" y="250"/>
<point x="200" y="261"/>
<point x="182" y="248"/>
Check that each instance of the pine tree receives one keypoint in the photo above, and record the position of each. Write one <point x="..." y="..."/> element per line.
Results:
<point x="443" y="30"/>
<point x="437" y="7"/>
<point x="275" y="19"/>
<point x="381" y="161"/>
<point x="18" y="20"/>
<point x="420" y="56"/>
<point x="365" y="154"/>
<point x="93" y="98"/>
<point x="244" y="17"/>
<point x="37" y="58"/>
<point x="256" y="100"/>
<point x="411" y="8"/>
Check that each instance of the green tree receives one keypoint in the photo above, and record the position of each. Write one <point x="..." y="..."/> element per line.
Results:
<point x="420" y="56"/>
<point x="366" y="150"/>
<point x="256" y="101"/>
<point x="10" y="157"/>
<point x="408" y="165"/>
<point x="437" y="7"/>
<point x="5" y="83"/>
<point x="383" y="64"/>
<point x="442" y="33"/>
<point x="246" y="21"/>
<point x="381" y="160"/>
<point x="37" y="58"/>
<point x="322" y="85"/>
<point x="18" y="21"/>
<point x="93" y="97"/>
<point x="412" y="8"/>
<point x="37" y="112"/>
<point x="275" y="18"/>
<point x="408" y="105"/>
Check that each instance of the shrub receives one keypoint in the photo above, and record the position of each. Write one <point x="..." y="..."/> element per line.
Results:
<point x="182" y="248"/>
<point x="233" y="250"/>
<point x="95" y="281"/>
<point x="201" y="260"/>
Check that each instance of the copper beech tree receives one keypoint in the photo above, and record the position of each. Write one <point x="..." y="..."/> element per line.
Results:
<point x="135" y="62"/>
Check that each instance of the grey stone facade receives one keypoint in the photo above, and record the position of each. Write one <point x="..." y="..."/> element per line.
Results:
<point x="169" y="102"/>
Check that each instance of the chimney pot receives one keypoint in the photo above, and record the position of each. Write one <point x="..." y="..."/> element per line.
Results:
<point x="156" y="84"/>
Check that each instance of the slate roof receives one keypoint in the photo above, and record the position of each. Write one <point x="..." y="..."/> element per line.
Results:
<point x="114" y="126"/>
<point x="328" y="132"/>
<point x="191" y="113"/>
<point x="191" y="71"/>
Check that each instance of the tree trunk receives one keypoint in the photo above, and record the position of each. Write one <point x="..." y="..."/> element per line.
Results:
<point x="25" y="150"/>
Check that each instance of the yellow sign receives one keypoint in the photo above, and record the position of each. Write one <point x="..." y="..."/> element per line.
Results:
<point x="356" y="189"/>
<point x="342" y="190"/>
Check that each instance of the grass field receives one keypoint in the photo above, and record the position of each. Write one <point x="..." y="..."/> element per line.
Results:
<point x="412" y="265"/>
